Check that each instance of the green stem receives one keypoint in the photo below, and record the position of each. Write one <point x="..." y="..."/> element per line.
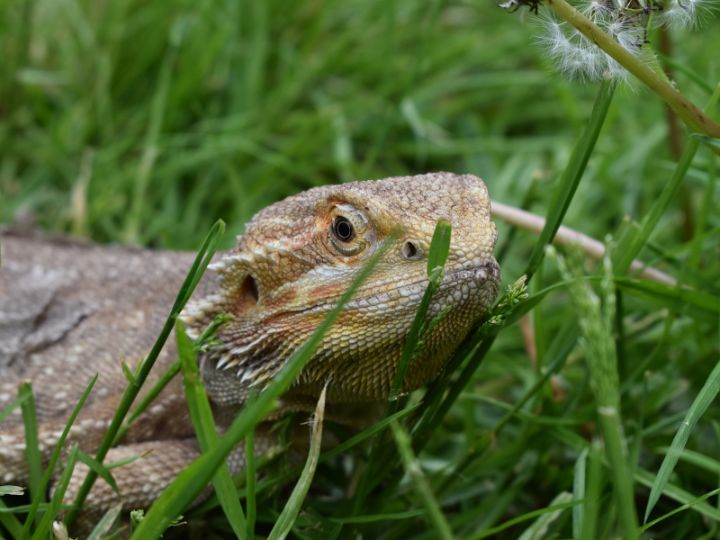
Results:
<point x="693" y="117"/>
<point x="622" y="480"/>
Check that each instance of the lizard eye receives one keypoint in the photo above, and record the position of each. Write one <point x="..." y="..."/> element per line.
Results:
<point x="349" y="230"/>
<point x="343" y="229"/>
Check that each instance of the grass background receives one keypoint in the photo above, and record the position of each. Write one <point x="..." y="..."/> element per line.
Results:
<point x="138" y="122"/>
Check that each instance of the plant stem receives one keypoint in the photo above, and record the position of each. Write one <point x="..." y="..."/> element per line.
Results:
<point x="565" y="236"/>
<point x="693" y="117"/>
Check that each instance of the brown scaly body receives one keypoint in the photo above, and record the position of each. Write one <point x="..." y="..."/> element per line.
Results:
<point x="69" y="311"/>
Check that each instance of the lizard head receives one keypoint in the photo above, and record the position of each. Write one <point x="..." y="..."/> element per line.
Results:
<point x="298" y="256"/>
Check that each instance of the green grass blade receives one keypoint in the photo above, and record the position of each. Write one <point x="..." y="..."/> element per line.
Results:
<point x="103" y="526"/>
<point x="99" y="469"/>
<point x="150" y="396"/>
<point x="439" y="250"/>
<point x="559" y="350"/>
<point x="380" y="453"/>
<point x="43" y="529"/>
<point x="552" y="509"/>
<point x="32" y="448"/>
<point x="630" y="245"/>
<point x="439" y="246"/>
<point x="250" y="475"/>
<point x="538" y="530"/>
<point x="591" y="496"/>
<point x="55" y="456"/>
<point x="712" y="142"/>
<point x="700" y="404"/>
<point x="691" y="302"/>
<point x="579" y="486"/>
<point x="195" y="477"/>
<point x="422" y="488"/>
<point x="7" y="411"/>
<point x="203" y="258"/>
<point x="372" y="518"/>
<point x="696" y="458"/>
<point x="367" y="433"/>
<point x="286" y="519"/>
<point x="683" y="68"/>
<point x="687" y="506"/>
<point x="8" y="520"/>
<point x="205" y="430"/>
<point x="475" y="351"/>
<point x="633" y="241"/>
<point x="678" y="494"/>
<point x="572" y="175"/>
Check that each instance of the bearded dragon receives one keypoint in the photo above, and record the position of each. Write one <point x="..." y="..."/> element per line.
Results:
<point x="70" y="310"/>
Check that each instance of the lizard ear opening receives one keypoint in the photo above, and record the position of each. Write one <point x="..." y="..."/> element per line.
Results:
<point x="248" y="295"/>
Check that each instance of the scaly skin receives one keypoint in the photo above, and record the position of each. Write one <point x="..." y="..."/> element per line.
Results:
<point x="68" y="311"/>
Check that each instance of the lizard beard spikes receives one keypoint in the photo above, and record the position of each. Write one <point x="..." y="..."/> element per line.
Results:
<point x="302" y="253"/>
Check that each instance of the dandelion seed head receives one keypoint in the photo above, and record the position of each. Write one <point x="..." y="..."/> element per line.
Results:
<point x="686" y="14"/>
<point x="628" y="34"/>
<point x="595" y="10"/>
<point x="576" y="56"/>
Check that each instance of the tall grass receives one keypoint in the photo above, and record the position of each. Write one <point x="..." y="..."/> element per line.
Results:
<point x="145" y="122"/>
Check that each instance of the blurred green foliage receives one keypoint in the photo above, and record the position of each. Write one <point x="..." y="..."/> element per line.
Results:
<point x="144" y="122"/>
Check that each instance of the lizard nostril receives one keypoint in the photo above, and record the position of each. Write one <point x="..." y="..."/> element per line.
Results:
<point x="248" y="295"/>
<point x="410" y="251"/>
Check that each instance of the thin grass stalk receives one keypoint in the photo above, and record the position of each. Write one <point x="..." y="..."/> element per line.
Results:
<point x="338" y="450"/>
<point x="149" y="397"/>
<point x="422" y="488"/>
<point x="382" y="457"/>
<point x="596" y="326"/>
<point x="676" y="493"/>
<point x="612" y="430"/>
<point x="286" y="519"/>
<point x="206" y="432"/>
<point x="559" y="350"/>
<point x="572" y="175"/>
<point x="32" y="448"/>
<point x="563" y="505"/>
<point x="163" y="381"/>
<point x="203" y="258"/>
<point x="704" y="213"/>
<point x="437" y="257"/>
<point x="579" y="487"/>
<point x="250" y="474"/>
<point x="102" y="529"/>
<point x="43" y="529"/>
<point x="700" y="404"/>
<point x="591" y="495"/>
<point x="39" y="497"/>
<point x="9" y="521"/>
<point x="687" y="506"/>
<point x="630" y="246"/>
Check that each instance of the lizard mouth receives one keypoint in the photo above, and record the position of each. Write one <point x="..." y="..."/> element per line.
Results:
<point x="460" y="285"/>
<point x="489" y="271"/>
